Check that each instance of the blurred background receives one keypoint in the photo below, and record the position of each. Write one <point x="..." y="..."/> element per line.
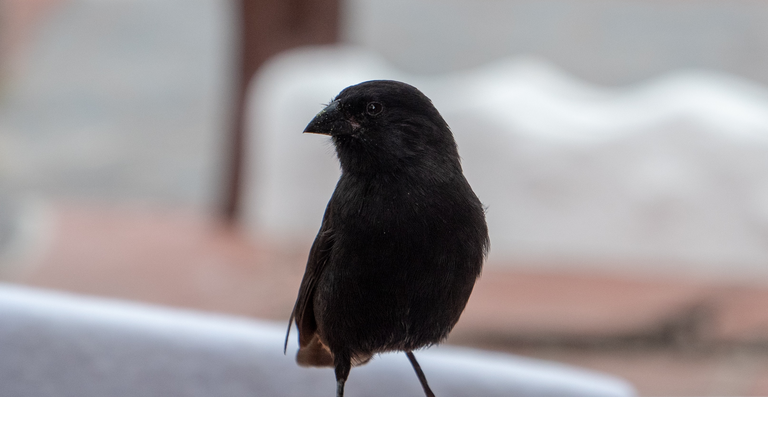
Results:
<point x="151" y="151"/>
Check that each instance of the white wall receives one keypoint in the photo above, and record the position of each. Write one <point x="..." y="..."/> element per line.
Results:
<point x="671" y="174"/>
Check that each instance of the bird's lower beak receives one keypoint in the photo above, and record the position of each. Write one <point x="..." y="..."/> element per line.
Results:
<point x="330" y="121"/>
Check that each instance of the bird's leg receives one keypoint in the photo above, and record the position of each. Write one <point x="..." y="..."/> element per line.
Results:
<point x="343" y="365"/>
<point x="420" y="374"/>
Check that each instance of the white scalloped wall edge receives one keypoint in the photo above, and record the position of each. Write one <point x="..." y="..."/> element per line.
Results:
<point x="669" y="173"/>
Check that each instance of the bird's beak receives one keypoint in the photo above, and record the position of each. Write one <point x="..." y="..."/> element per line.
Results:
<point x="331" y="121"/>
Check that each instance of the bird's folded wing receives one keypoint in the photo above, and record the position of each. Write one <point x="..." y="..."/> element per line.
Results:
<point x="303" y="311"/>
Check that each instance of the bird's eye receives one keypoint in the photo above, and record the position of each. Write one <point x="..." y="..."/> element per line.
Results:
<point x="374" y="108"/>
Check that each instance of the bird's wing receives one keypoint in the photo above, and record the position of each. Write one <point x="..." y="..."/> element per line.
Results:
<point x="303" y="311"/>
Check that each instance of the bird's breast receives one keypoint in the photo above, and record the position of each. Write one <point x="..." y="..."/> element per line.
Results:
<point x="403" y="263"/>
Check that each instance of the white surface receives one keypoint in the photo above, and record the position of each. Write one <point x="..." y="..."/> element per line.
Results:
<point x="672" y="173"/>
<point x="55" y="344"/>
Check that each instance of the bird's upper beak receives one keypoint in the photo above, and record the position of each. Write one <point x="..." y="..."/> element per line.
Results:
<point x="331" y="121"/>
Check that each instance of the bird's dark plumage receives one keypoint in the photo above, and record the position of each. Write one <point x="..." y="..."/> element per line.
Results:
<point x="403" y="237"/>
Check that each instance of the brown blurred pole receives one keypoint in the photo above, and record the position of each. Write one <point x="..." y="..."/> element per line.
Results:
<point x="268" y="27"/>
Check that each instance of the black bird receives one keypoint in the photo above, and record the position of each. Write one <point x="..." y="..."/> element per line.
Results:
<point x="403" y="237"/>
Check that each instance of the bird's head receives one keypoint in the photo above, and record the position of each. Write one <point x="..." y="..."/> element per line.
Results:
<point x="385" y="126"/>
